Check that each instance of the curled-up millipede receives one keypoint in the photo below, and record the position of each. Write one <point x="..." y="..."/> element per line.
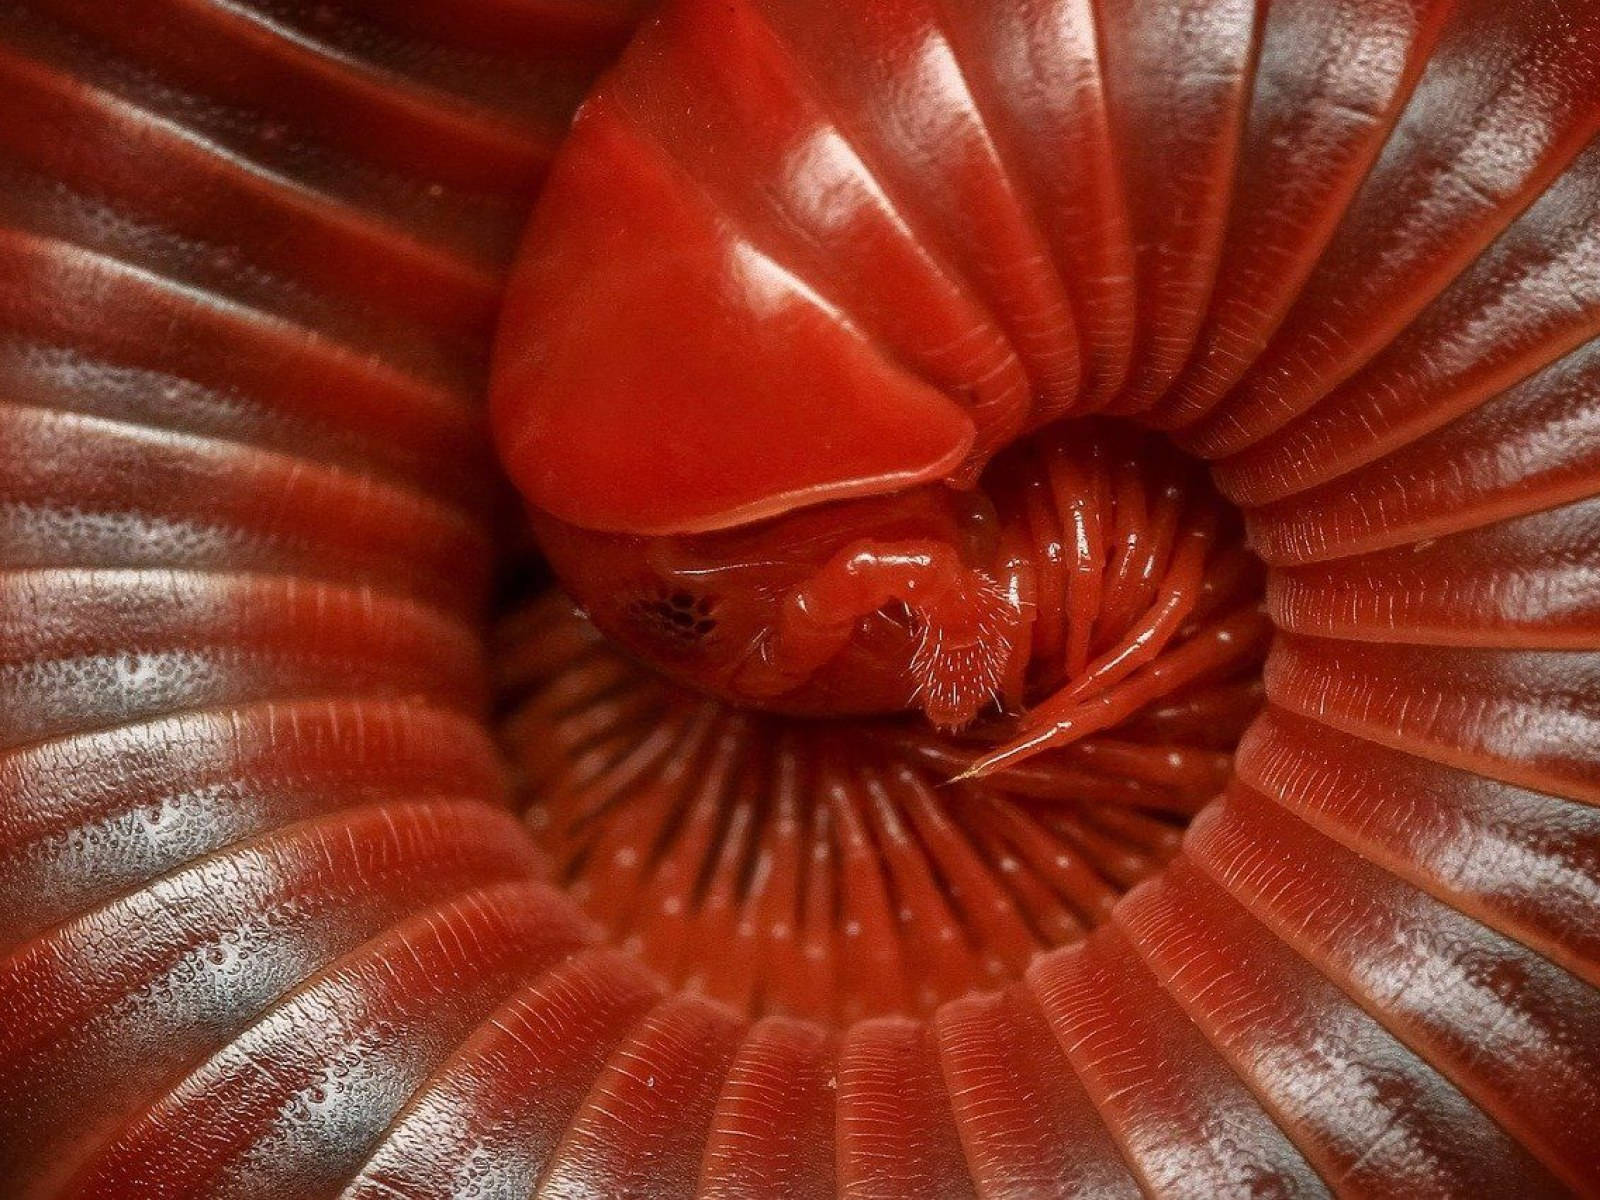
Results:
<point x="1062" y="654"/>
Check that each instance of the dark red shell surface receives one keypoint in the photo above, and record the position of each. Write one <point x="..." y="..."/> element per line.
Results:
<point x="272" y="926"/>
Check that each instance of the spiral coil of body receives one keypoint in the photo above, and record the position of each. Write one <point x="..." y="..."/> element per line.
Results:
<point x="270" y="928"/>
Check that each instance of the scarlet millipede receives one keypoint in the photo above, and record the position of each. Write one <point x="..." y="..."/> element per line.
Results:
<point x="1073" y="664"/>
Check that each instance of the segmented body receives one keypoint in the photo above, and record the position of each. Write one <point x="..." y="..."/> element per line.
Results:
<point x="270" y="929"/>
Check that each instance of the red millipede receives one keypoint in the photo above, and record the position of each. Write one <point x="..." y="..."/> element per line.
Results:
<point x="1076" y="665"/>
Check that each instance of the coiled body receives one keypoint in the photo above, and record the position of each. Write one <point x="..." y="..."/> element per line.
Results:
<point x="257" y="878"/>
<point x="270" y="928"/>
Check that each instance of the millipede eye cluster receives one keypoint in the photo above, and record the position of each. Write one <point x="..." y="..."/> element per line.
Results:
<point x="677" y="618"/>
